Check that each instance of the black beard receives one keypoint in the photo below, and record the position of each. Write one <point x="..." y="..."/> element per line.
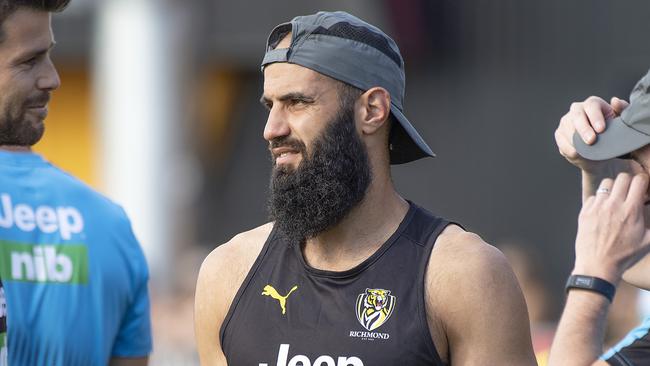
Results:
<point x="18" y="132"/>
<point x="325" y="186"/>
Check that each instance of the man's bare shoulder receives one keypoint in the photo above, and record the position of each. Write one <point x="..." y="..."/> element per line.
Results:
<point x="462" y="262"/>
<point x="457" y="250"/>
<point x="220" y="277"/>
<point x="229" y="260"/>
<point x="460" y="266"/>
<point x="471" y="286"/>
<point x="465" y="271"/>
<point x="226" y="267"/>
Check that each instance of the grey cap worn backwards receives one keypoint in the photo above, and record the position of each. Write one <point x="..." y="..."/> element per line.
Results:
<point x="350" y="50"/>
<point x="625" y="133"/>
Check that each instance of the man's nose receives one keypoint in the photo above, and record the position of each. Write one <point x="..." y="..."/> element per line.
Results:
<point x="49" y="79"/>
<point x="276" y="125"/>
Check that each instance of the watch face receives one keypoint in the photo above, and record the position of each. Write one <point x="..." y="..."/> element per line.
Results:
<point x="584" y="281"/>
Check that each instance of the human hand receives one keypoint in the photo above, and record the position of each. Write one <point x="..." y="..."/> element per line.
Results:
<point x="589" y="118"/>
<point x="612" y="235"/>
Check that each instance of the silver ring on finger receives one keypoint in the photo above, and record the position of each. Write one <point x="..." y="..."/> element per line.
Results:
<point x="602" y="190"/>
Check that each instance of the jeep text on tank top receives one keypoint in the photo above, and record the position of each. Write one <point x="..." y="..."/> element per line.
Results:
<point x="287" y="313"/>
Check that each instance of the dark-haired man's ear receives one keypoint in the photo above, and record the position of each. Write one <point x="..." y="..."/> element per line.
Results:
<point x="374" y="109"/>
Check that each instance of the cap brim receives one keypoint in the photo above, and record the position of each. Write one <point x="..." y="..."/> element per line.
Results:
<point x="407" y="144"/>
<point x="617" y="140"/>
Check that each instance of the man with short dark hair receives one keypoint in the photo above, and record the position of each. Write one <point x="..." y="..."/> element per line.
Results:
<point x="349" y="272"/>
<point x="610" y="144"/>
<point x="73" y="276"/>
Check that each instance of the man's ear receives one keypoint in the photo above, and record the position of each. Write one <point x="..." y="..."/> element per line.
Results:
<point x="373" y="109"/>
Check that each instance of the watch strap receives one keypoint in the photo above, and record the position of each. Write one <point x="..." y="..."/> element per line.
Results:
<point x="591" y="283"/>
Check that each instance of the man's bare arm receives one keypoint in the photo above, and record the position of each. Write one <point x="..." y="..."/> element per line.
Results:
<point x="220" y="277"/>
<point x="579" y="338"/>
<point x="210" y="309"/>
<point x="611" y="237"/>
<point x="479" y="302"/>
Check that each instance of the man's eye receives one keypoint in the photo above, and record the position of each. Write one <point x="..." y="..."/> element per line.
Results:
<point x="30" y="62"/>
<point x="298" y="102"/>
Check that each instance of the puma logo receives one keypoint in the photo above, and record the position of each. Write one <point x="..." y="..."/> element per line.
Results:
<point x="270" y="291"/>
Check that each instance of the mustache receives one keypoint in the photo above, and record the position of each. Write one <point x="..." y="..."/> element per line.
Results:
<point x="41" y="99"/>
<point x="286" y="141"/>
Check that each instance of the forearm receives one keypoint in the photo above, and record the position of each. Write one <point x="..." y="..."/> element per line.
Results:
<point x="579" y="337"/>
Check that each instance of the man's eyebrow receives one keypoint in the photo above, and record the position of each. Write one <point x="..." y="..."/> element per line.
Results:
<point x="289" y="96"/>
<point x="296" y="95"/>
<point x="37" y="51"/>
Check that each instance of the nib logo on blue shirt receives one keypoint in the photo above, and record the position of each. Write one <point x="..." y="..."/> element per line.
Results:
<point x="44" y="263"/>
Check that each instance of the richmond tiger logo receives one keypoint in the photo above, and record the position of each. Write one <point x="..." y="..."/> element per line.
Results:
<point x="374" y="307"/>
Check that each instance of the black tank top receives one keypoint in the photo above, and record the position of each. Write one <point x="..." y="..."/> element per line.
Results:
<point x="287" y="313"/>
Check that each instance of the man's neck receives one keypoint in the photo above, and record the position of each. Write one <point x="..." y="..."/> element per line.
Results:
<point x="361" y="232"/>
<point x="15" y="148"/>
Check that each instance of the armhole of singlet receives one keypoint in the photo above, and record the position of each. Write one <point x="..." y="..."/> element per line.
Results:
<point x="243" y="287"/>
<point x="422" y="305"/>
<point x="635" y="346"/>
<point x="617" y="359"/>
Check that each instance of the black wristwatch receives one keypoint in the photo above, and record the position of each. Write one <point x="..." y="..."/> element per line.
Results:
<point x="590" y="283"/>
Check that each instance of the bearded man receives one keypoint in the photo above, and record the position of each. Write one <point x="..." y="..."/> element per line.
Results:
<point x="348" y="272"/>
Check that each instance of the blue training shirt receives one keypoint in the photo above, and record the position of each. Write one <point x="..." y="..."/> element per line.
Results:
<point x="74" y="277"/>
